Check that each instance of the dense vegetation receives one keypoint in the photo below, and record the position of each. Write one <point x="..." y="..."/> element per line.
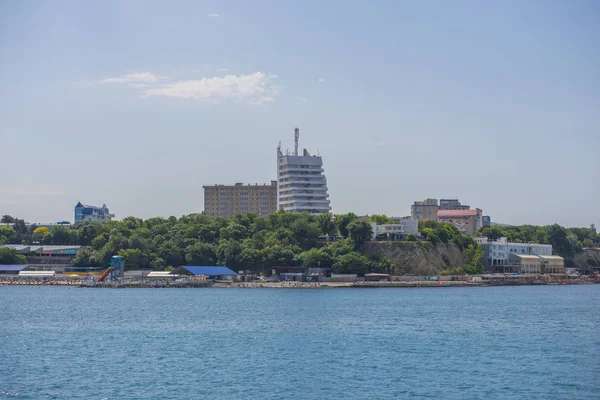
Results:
<point x="9" y="256"/>
<point x="260" y="243"/>
<point x="243" y="242"/>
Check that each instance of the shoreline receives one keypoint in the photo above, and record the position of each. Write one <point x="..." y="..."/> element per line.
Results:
<point x="298" y="285"/>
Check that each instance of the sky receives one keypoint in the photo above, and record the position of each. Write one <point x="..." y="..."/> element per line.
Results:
<point x="137" y="104"/>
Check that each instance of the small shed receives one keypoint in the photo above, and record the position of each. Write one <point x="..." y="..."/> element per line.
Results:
<point x="377" y="277"/>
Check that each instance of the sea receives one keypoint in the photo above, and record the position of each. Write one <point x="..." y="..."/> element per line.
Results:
<point x="519" y="342"/>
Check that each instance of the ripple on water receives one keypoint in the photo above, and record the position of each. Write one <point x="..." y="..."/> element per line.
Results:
<point x="462" y="343"/>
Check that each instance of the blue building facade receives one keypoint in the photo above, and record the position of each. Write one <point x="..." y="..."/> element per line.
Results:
<point x="85" y="212"/>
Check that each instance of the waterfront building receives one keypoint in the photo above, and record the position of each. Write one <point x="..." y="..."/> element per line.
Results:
<point x="535" y="264"/>
<point x="497" y="253"/>
<point x="468" y="221"/>
<point x="395" y="231"/>
<point x="231" y="200"/>
<point x="452" y="204"/>
<point x="92" y="213"/>
<point x="47" y="258"/>
<point x="301" y="182"/>
<point x="424" y="210"/>
<point x="524" y="264"/>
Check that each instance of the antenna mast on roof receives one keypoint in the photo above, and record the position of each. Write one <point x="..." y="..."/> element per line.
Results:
<point x="296" y="137"/>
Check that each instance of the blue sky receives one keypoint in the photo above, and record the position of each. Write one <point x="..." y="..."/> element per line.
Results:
<point x="137" y="104"/>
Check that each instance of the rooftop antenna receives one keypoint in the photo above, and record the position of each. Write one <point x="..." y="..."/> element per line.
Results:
<point x="296" y="137"/>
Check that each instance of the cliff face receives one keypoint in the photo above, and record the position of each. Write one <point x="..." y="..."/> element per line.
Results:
<point x="418" y="258"/>
<point x="588" y="260"/>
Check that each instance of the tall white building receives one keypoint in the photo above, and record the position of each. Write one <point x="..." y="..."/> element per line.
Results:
<point x="301" y="183"/>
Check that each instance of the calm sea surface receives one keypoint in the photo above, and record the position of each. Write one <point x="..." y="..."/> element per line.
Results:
<point x="455" y="343"/>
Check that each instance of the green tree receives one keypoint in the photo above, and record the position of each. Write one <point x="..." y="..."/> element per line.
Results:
<point x="326" y="224"/>
<point x="315" y="258"/>
<point x="59" y="235"/>
<point x="351" y="263"/>
<point x="7" y="234"/>
<point x="7" y="219"/>
<point x="87" y="257"/>
<point x="380" y="219"/>
<point x="135" y="259"/>
<point x="494" y="232"/>
<point x="342" y="221"/>
<point x="476" y="260"/>
<point x="360" y="232"/>
<point x="234" y="231"/>
<point x="228" y="253"/>
<point x="411" y="238"/>
<point x="200" y="254"/>
<point x="10" y="256"/>
<point x="304" y="233"/>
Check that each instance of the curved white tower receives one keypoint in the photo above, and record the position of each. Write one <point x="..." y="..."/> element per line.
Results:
<point x="301" y="184"/>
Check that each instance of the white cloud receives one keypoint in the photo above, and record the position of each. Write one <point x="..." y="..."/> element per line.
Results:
<point x="222" y="70"/>
<point x="147" y="77"/>
<point x="302" y="99"/>
<point x="321" y="80"/>
<point x="256" y="88"/>
<point x="213" y="15"/>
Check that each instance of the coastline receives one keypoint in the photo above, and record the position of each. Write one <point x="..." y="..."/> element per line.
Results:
<point x="299" y="285"/>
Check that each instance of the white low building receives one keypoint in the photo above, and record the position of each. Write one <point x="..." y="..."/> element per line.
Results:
<point x="498" y="252"/>
<point x="404" y="227"/>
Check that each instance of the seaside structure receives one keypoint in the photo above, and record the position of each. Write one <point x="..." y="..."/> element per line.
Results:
<point x="467" y="221"/>
<point x="47" y="258"/>
<point x="424" y="210"/>
<point x="92" y="213"/>
<point x="231" y="200"/>
<point x="497" y="253"/>
<point x="301" y="183"/>
<point x="534" y="264"/>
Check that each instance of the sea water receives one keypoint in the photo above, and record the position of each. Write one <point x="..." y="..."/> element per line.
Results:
<point x="527" y="342"/>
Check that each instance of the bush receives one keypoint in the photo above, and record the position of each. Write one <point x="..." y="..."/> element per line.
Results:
<point x="411" y="238"/>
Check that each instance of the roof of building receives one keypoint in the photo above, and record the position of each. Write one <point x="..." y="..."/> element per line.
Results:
<point x="160" y="274"/>
<point x="526" y="256"/>
<point x="13" y="267"/>
<point x="457" y="213"/>
<point x="37" y="273"/>
<point x="209" y="270"/>
<point x="551" y="257"/>
<point x="37" y="247"/>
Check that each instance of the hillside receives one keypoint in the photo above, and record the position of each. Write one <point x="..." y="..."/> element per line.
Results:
<point x="417" y="258"/>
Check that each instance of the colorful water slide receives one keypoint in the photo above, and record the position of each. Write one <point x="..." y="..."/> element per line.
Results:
<point x="104" y="275"/>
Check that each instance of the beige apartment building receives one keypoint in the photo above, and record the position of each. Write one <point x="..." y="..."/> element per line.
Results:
<point x="424" y="210"/>
<point x="230" y="200"/>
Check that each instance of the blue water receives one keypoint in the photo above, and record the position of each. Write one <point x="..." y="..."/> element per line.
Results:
<point x="454" y="343"/>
